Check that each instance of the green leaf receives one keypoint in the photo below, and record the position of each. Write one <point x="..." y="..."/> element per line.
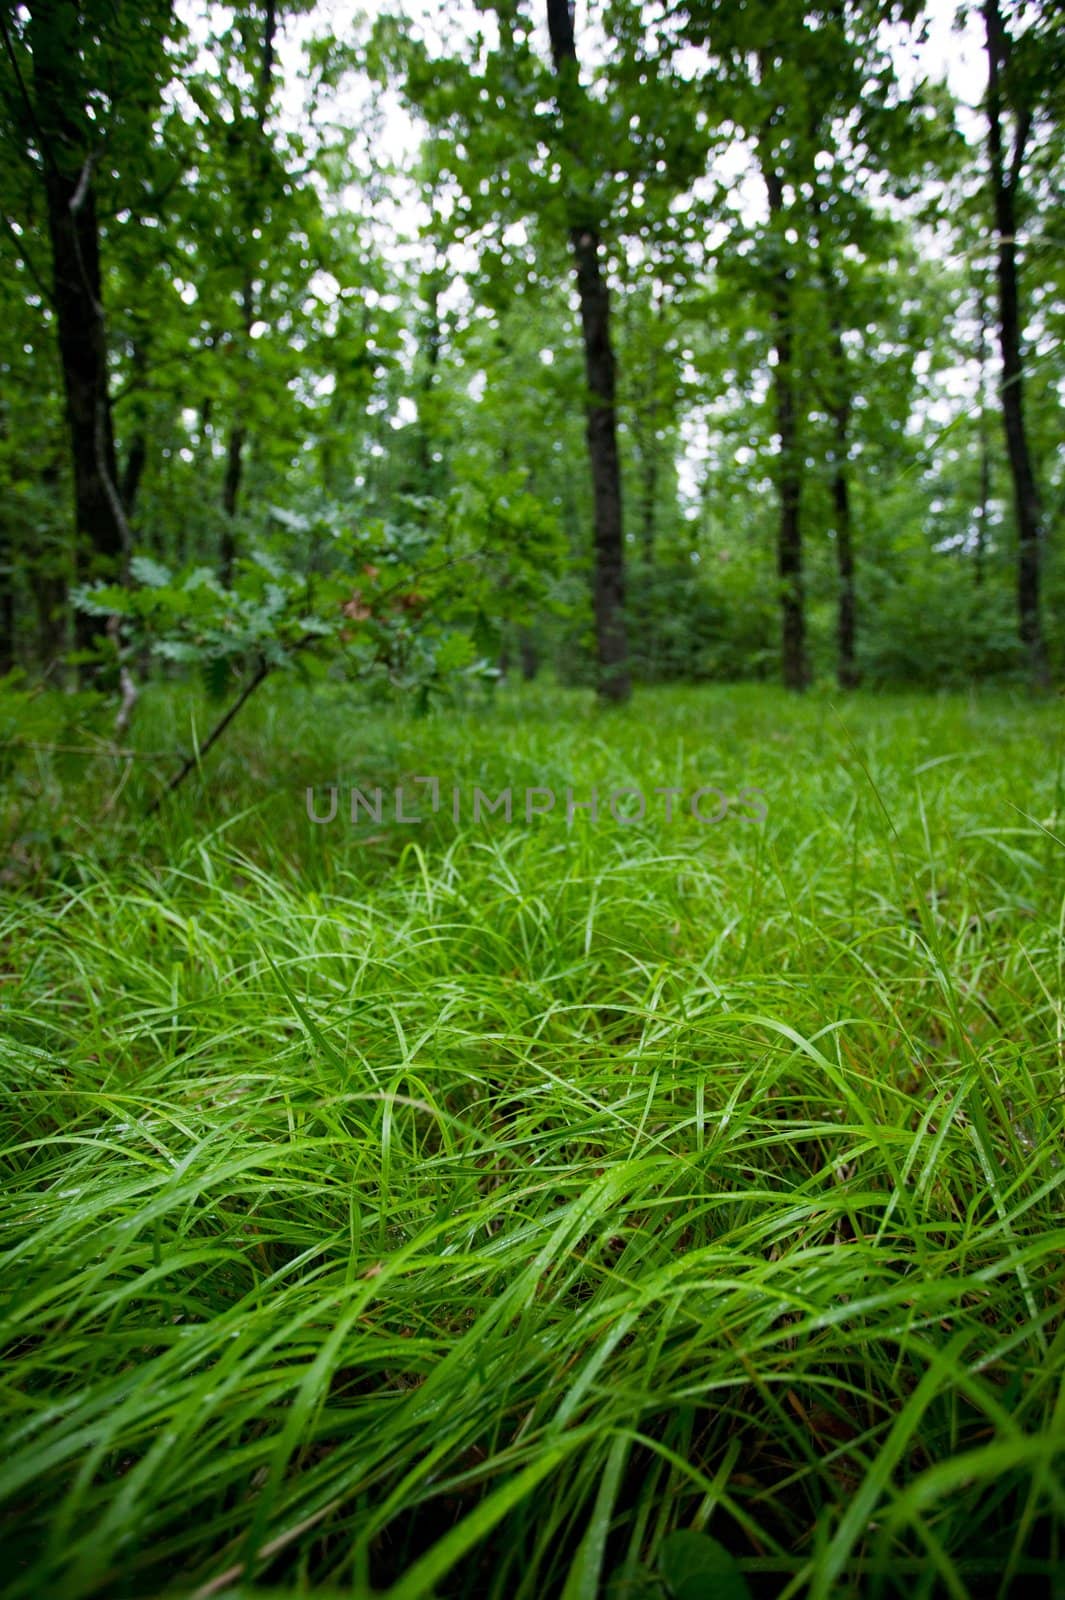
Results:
<point x="216" y="671"/>
<point x="290" y="519"/>
<point x="693" y="1566"/>
<point x="455" y="652"/>
<point x="150" y="572"/>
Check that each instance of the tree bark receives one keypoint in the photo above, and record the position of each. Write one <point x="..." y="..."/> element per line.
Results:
<point x="530" y="660"/>
<point x="847" y="674"/>
<point x="984" y="501"/>
<point x="238" y="435"/>
<point x="789" y="475"/>
<point x="230" y="500"/>
<point x="649" y="497"/>
<point x="647" y="433"/>
<point x="133" y="472"/>
<point x="102" y="536"/>
<point x="614" y="681"/>
<point x="137" y="454"/>
<point x="432" y="334"/>
<point x="1004" y="186"/>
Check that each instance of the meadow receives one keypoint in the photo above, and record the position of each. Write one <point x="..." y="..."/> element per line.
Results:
<point x="464" y="1209"/>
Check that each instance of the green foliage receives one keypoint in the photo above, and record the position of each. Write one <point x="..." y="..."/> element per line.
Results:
<point x="407" y="606"/>
<point x="936" y="630"/>
<point x="33" y="716"/>
<point x="694" y="1566"/>
<point x="692" y="622"/>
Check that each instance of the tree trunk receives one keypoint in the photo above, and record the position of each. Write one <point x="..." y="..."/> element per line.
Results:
<point x="137" y="455"/>
<point x="846" y="661"/>
<point x="1004" y="185"/>
<point x="530" y="660"/>
<point x="50" y="594"/>
<point x="649" y="500"/>
<point x="614" y="682"/>
<point x="983" y="503"/>
<point x="136" y="462"/>
<point x="102" y="536"/>
<point x="431" y="342"/>
<point x="238" y="435"/>
<point x="230" y="498"/>
<point x="789" y="476"/>
<point x="649" y="453"/>
<point x="847" y="674"/>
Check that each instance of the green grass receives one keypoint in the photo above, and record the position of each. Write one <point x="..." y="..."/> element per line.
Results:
<point x="458" y="1210"/>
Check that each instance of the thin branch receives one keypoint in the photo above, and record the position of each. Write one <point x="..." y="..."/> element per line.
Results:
<point x="1020" y="142"/>
<point x="77" y="199"/>
<point x="130" y="692"/>
<point x="27" y="261"/>
<point x="260" y="674"/>
<point x="109" y="753"/>
<point x="42" y="143"/>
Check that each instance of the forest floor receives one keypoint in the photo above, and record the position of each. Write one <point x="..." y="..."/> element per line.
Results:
<point x="460" y="1208"/>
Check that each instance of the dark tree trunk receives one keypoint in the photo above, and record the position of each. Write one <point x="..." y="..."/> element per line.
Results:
<point x="985" y="500"/>
<point x="614" y="682"/>
<point x="50" y="594"/>
<point x="1004" y="184"/>
<point x="530" y="660"/>
<point x="649" y="500"/>
<point x="7" y="585"/>
<point x="846" y="660"/>
<point x="432" y="340"/>
<point x="789" y="475"/>
<point x="133" y="472"/>
<point x="649" y="452"/>
<point x="980" y="553"/>
<point x="137" y="455"/>
<point x="67" y="160"/>
<point x="49" y="584"/>
<point x="238" y="435"/>
<point x="847" y="674"/>
<point x="230" y="500"/>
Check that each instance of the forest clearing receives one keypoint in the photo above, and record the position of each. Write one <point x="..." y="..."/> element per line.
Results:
<point x="532" y="769"/>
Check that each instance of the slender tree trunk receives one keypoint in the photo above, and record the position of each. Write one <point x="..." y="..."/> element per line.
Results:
<point x="846" y="661"/>
<point x="234" y="474"/>
<point x="238" y="435"/>
<point x="230" y="501"/>
<point x="649" y="500"/>
<point x="1004" y="185"/>
<point x="102" y="536"/>
<point x="984" y="499"/>
<point x="432" y="339"/>
<point x="53" y="640"/>
<point x="614" y="682"/>
<point x="847" y="674"/>
<point x="649" y="452"/>
<point x="530" y="660"/>
<point x="137" y="455"/>
<point x="7" y="584"/>
<point x="839" y="404"/>
<point x="789" y="473"/>
<point x="133" y="472"/>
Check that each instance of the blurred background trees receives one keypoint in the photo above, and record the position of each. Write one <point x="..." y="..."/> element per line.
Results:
<point x="729" y="339"/>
